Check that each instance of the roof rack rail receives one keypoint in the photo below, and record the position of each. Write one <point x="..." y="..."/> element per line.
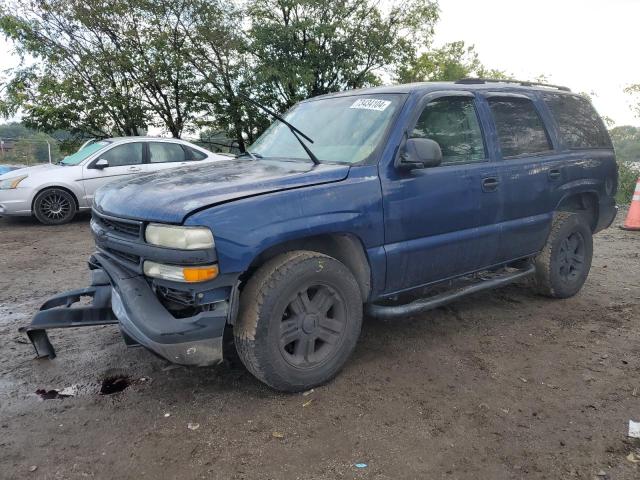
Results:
<point x="524" y="83"/>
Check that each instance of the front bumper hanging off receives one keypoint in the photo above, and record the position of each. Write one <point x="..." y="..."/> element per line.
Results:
<point x="122" y="297"/>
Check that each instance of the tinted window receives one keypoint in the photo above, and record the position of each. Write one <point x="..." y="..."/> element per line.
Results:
<point x="127" y="154"/>
<point x="165" y="152"/>
<point x="196" y="154"/>
<point x="453" y="123"/>
<point x="579" y="125"/>
<point x="520" y="128"/>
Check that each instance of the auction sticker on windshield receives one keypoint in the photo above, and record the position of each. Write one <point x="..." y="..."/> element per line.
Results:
<point x="371" y="104"/>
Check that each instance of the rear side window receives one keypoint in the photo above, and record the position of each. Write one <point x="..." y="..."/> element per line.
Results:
<point x="452" y="122"/>
<point x="164" y="152"/>
<point x="520" y="128"/>
<point x="579" y="126"/>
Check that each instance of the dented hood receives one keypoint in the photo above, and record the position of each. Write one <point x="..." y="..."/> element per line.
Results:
<point x="170" y="195"/>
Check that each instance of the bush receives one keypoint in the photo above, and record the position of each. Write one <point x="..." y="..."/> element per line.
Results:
<point x="627" y="178"/>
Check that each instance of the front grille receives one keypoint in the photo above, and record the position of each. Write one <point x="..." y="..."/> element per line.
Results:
<point x="127" y="228"/>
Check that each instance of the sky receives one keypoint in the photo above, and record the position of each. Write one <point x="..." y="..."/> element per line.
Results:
<point x="588" y="45"/>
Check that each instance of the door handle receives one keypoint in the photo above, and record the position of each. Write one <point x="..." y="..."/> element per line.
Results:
<point x="554" y="174"/>
<point x="135" y="169"/>
<point x="490" y="184"/>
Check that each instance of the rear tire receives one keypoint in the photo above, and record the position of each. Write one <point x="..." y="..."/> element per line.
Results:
<point x="54" y="206"/>
<point x="299" y="320"/>
<point x="563" y="265"/>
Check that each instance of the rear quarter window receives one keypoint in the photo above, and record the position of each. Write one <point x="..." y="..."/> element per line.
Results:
<point x="579" y="125"/>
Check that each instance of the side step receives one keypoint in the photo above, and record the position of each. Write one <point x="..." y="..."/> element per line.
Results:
<point x="435" y="301"/>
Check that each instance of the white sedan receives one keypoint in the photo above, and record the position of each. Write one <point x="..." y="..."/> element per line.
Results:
<point x="55" y="193"/>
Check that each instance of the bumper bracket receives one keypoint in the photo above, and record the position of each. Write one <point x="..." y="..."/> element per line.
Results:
<point x="62" y="311"/>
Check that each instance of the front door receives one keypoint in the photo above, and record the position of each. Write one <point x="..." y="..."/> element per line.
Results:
<point x="123" y="159"/>
<point x="441" y="222"/>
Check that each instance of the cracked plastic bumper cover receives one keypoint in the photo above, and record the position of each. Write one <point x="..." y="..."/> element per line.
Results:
<point x="123" y="297"/>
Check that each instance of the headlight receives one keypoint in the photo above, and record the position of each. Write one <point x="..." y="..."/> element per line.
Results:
<point x="11" y="183"/>
<point x="180" y="274"/>
<point x="184" y="238"/>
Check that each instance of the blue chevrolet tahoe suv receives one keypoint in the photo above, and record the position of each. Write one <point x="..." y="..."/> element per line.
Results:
<point x="389" y="201"/>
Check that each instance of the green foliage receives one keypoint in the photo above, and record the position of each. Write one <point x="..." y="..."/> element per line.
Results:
<point x="628" y="175"/>
<point x="634" y="91"/>
<point x="119" y="67"/>
<point x="626" y="140"/>
<point x="101" y="70"/>
<point x="305" y="48"/>
<point x="450" y="62"/>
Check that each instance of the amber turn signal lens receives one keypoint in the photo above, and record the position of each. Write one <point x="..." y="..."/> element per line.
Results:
<point x="199" y="274"/>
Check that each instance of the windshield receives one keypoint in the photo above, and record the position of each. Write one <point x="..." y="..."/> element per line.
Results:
<point x="84" y="153"/>
<point x="343" y="129"/>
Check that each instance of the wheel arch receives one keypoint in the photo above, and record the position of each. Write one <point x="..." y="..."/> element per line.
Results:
<point x="344" y="247"/>
<point x="58" y="187"/>
<point x="586" y="203"/>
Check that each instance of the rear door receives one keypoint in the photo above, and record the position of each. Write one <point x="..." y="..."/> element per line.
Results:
<point x="124" y="159"/>
<point x="530" y="172"/>
<point x="441" y="222"/>
<point x="163" y="155"/>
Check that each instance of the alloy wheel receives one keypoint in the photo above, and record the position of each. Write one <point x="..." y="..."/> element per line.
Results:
<point x="313" y="326"/>
<point x="571" y="257"/>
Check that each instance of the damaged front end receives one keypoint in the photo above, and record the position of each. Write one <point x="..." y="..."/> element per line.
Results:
<point x="183" y="323"/>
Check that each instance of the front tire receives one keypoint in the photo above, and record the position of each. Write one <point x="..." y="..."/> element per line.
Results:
<point x="563" y="265"/>
<point x="54" y="206"/>
<point x="299" y="320"/>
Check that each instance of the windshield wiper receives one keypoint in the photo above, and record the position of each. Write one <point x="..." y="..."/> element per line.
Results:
<point x="294" y="130"/>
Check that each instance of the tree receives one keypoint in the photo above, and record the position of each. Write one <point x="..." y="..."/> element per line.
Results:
<point x="76" y="82"/>
<point x="305" y="48"/>
<point x="634" y="91"/>
<point x="626" y="140"/>
<point x="450" y="62"/>
<point x="112" y="68"/>
<point x="220" y="56"/>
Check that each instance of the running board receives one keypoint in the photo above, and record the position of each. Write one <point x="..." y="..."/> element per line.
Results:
<point x="423" y="304"/>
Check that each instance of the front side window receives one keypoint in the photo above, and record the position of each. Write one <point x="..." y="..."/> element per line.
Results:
<point x="164" y="152"/>
<point x="579" y="125"/>
<point x="452" y="122"/>
<point x="125" y="154"/>
<point x="343" y="129"/>
<point x="520" y="128"/>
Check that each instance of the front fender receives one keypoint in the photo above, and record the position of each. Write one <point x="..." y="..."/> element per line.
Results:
<point x="74" y="187"/>
<point x="245" y="228"/>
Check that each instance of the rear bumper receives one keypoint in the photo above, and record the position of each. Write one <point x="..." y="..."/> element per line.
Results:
<point x="607" y="211"/>
<point x="124" y="297"/>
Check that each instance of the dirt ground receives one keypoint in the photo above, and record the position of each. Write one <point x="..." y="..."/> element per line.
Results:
<point x="503" y="384"/>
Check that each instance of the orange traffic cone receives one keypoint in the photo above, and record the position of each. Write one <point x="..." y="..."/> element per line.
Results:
<point x="633" y="217"/>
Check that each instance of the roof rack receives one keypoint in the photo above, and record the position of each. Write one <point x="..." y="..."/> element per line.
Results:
<point x="524" y="83"/>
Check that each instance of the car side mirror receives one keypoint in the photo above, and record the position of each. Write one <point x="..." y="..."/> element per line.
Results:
<point x="101" y="163"/>
<point x="420" y="153"/>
